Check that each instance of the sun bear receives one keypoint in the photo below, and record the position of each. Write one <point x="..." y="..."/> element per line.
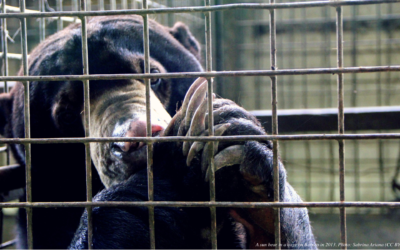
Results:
<point x="115" y="47"/>
<point x="117" y="109"/>
<point x="244" y="173"/>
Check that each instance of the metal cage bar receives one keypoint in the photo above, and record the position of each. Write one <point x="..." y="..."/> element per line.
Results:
<point x="339" y="44"/>
<point x="5" y="73"/>
<point x="275" y="145"/>
<point x="28" y="163"/>
<point x="334" y="204"/>
<point x="210" y="121"/>
<point x="315" y="71"/>
<point x="86" y="123"/>
<point x="206" y="138"/>
<point x="273" y="73"/>
<point x="150" y="186"/>
<point x="5" y="69"/>
<point x="225" y="7"/>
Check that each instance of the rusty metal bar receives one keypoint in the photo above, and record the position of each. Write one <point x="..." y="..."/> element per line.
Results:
<point x="210" y="121"/>
<point x="354" y="82"/>
<point x="336" y="204"/>
<point x="5" y="68"/>
<point x="150" y="184"/>
<point x="4" y="38"/>
<point x="4" y="44"/>
<point x="28" y="162"/>
<point x="315" y="71"/>
<point x="274" y="98"/>
<point x="379" y="100"/>
<point x="305" y="93"/>
<point x="86" y="123"/>
<point x="339" y="34"/>
<point x="225" y="7"/>
<point x="205" y="138"/>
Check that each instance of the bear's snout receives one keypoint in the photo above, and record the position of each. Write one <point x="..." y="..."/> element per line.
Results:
<point x="136" y="129"/>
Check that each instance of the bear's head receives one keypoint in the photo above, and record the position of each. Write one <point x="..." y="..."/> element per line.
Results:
<point x="117" y="107"/>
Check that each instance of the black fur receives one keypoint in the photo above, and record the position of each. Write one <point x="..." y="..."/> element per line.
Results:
<point x="58" y="170"/>
<point x="174" y="181"/>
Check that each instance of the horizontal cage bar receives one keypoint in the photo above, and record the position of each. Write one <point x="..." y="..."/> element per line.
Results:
<point x="199" y="204"/>
<point x="207" y="138"/>
<point x="237" y="73"/>
<point x="258" y="6"/>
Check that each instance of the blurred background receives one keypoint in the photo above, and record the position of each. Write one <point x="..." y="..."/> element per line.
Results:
<point x="306" y="38"/>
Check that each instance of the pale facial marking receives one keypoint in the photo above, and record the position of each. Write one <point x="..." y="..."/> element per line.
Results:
<point x="111" y="115"/>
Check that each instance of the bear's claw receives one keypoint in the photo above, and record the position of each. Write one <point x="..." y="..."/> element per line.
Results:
<point x="230" y="156"/>
<point x="194" y="122"/>
<point x="198" y="146"/>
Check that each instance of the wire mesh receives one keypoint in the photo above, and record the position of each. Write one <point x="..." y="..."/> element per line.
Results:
<point x="80" y="15"/>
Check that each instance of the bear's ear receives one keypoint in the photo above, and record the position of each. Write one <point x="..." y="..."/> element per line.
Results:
<point x="5" y="110"/>
<point x="182" y="33"/>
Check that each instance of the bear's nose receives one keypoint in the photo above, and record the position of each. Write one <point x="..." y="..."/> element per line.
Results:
<point x="136" y="129"/>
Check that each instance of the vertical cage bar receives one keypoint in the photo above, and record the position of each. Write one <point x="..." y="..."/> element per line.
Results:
<point x="86" y="101"/>
<point x="4" y="46"/>
<point x="210" y="125"/>
<point x="59" y="20"/>
<point x="42" y="23"/>
<point x="4" y="73"/>
<point x="339" y="34"/>
<point x="113" y="4"/>
<point x="356" y="149"/>
<point x="28" y="163"/>
<point x="272" y="28"/>
<point x="146" y="49"/>
<point x="305" y="101"/>
<point x="379" y="100"/>
<point x="328" y="101"/>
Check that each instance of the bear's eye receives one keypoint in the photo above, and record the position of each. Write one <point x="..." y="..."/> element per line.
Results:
<point x="155" y="82"/>
<point x="67" y="117"/>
